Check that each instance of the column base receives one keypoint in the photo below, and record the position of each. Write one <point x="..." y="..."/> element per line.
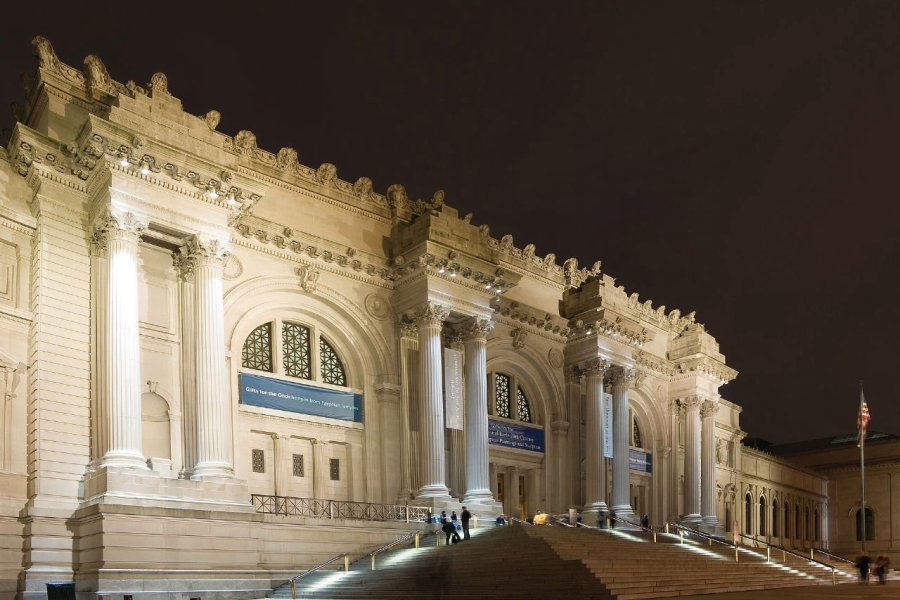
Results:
<point x="693" y="520"/>
<point x="124" y="460"/>
<point x="437" y="491"/>
<point x="212" y="470"/>
<point x="590" y="514"/>
<point x="478" y="496"/>
<point x="624" y="511"/>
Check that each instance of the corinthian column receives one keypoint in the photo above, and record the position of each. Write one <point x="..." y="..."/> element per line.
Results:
<point x="692" y="460"/>
<point x="213" y="405"/>
<point x="622" y="380"/>
<point x="119" y="358"/>
<point x="478" y="488"/>
<point x="708" y="412"/>
<point x="430" y="320"/>
<point x="594" y="463"/>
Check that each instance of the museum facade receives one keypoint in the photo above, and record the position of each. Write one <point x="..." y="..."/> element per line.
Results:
<point x="195" y="331"/>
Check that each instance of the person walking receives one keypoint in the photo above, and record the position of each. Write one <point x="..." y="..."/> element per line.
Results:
<point x="464" y="517"/>
<point x="862" y="563"/>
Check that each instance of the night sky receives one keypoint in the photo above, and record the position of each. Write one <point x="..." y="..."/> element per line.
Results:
<point x="737" y="159"/>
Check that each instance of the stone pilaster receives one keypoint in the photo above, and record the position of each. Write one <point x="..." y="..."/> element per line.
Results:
<point x="573" y="465"/>
<point x="708" y="412"/>
<point x="213" y="403"/>
<point x="692" y="514"/>
<point x="118" y="341"/>
<point x="429" y="319"/>
<point x="622" y="380"/>
<point x="512" y="489"/>
<point x="595" y="464"/>
<point x="478" y="487"/>
<point x="320" y="469"/>
<point x="408" y="344"/>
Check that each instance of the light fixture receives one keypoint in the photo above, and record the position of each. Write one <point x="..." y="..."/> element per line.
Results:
<point x="452" y="273"/>
<point x="487" y="286"/>
<point x="145" y="169"/>
<point x="230" y="201"/>
<point x="123" y="162"/>
<point x="212" y="193"/>
<point x="441" y="270"/>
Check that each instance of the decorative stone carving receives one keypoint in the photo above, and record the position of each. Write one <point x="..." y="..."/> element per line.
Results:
<point x="397" y="198"/>
<point x="623" y="376"/>
<point x="97" y="75"/>
<point x="326" y="173"/>
<point x="212" y="119"/>
<point x="159" y="85"/>
<point x="570" y="272"/>
<point x="206" y="251"/>
<point x="437" y="200"/>
<point x="287" y="159"/>
<point x="43" y="49"/>
<point x="184" y="266"/>
<point x="555" y="358"/>
<point x="233" y="268"/>
<point x="477" y="328"/>
<point x="595" y="269"/>
<point x="468" y="218"/>
<point x="245" y="142"/>
<point x="518" y="338"/>
<point x="549" y="260"/>
<point x="363" y="187"/>
<point x="377" y="307"/>
<point x="431" y="314"/>
<point x="114" y="224"/>
<point x="597" y="366"/>
<point x="309" y="278"/>
<point x="720" y="452"/>
<point x="528" y="251"/>
<point x="709" y="408"/>
<point x="408" y="327"/>
<point x="506" y="243"/>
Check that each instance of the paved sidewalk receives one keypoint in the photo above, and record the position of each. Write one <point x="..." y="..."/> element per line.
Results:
<point x="848" y="591"/>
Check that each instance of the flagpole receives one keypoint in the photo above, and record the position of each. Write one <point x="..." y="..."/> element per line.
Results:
<point x="862" y="468"/>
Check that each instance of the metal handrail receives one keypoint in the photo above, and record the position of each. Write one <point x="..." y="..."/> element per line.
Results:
<point x="711" y="538"/>
<point x="341" y="509"/>
<point x="785" y="550"/>
<point x="834" y="556"/>
<point x="296" y="578"/>
<point x="399" y="540"/>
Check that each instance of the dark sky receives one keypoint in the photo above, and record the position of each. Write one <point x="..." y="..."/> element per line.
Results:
<point x="737" y="159"/>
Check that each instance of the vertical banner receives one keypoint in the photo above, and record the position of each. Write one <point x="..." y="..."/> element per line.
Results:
<point x="607" y="426"/>
<point x="453" y="394"/>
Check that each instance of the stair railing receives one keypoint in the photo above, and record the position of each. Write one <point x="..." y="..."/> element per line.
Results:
<point x="682" y="529"/>
<point x="630" y="523"/>
<point x="785" y="552"/>
<point x="319" y="566"/>
<point x="830" y="555"/>
<point x="405" y="538"/>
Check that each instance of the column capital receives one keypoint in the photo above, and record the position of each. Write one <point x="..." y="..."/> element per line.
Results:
<point x="206" y="252"/>
<point x="573" y="374"/>
<point x="476" y="329"/>
<point x="623" y="376"/>
<point x="184" y="266"/>
<point x="116" y="225"/>
<point x="408" y="327"/>
<point x="597" y="367"/>
<point x="431" y="314"/>
<point x="709" y="408"/>
<point x="675" y="407"/>
<point x="692" y="402"/>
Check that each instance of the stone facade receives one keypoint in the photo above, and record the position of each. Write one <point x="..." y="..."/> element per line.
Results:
<point x="148" y="262"/>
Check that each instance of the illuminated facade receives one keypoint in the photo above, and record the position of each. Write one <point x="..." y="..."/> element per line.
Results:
<point x="187" y="319"/>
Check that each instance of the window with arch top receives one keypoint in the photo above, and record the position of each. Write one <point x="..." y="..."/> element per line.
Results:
<point x="286" y="347"/>
<point x="504" y="405"/>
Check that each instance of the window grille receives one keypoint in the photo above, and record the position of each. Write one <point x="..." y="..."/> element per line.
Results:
<point x="259" y="461"/>
<point x="501" y="389"/>
<point x="257" y="350"/>
<point x="636" y="434"/>
<point x="334" y="465"/>
<point x="295" y="345"/>
<point x="332" y="368"/>
<point x="523" y="412"/>
<point x="298" y="465"/>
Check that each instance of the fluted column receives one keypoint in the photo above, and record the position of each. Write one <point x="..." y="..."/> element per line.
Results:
<point x="430" y="320"/>
<point x="594" y="463"/>
<point x="213" y="405"/>
<point x="573" y="464"/>
<point x="708" y="412"/>
<point x="622" y="380"/>
<point x="408" y="341"/>
<point x="119" y="355"/>
<point x="478" y="488"/>
<point x="513" y="487"/>
<point x="692" y="460"/>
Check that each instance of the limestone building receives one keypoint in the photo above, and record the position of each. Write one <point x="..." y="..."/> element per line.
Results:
<point x="194" y="329"/>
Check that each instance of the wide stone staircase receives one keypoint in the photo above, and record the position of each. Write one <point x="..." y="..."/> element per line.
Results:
<point x="530" y="562"/>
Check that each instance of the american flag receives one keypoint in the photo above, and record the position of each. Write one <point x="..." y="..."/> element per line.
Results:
<point x="862" y="419"/>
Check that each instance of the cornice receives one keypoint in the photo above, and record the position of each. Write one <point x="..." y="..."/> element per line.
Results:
<point x="17" y="222"/>
<point x="16" y="315"/>
<point x="704" y="365"/>
<point x="543" y="323"/>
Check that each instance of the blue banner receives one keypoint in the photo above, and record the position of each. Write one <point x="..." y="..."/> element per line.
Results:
<point x="300" y="398"/>
<point x="515" y="435"/>
<point x="638" y="460"/>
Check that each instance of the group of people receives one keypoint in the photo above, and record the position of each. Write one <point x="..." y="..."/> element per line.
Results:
<point x="879" y="567"/>
<point x="448" y="525"/>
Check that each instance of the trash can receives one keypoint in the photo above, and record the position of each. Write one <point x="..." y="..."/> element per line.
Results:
<point x="60" y="591"/>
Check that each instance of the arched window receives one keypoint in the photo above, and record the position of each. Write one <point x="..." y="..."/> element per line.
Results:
<point x="635" y="433"/>
<point x="787" y="520"/>
<point x="332" y="368"/>
<point x="503" y="399"/>
<point x="257" y="350"/>
<point x="775" y="522"/>
<point x="806" y="523"/>
<point x="501" y="395"/>
<point x="816" y="525"/>
<point x="748" y="514"/>
<point x="762" y="515"/>
<point x="523" y="411"/>
<point x="870" y="525"/>
<point x="298" y="354"/>
<point x="797" y="530"/>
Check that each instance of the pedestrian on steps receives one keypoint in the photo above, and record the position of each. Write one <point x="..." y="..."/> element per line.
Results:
<point x="450" y="530"/>
<point x="464" y="517"/>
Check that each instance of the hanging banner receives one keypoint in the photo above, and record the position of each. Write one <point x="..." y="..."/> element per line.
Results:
<point x="300" y="398"/>
<point x="640" y="460"/>
<point x="515" y="435"/>
<point x="453" y="393"/>
<point x="607" y="426"/>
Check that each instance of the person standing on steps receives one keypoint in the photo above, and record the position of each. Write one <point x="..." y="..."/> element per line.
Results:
<point x="464" y="517"/>
<point x="450" y="529"/>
